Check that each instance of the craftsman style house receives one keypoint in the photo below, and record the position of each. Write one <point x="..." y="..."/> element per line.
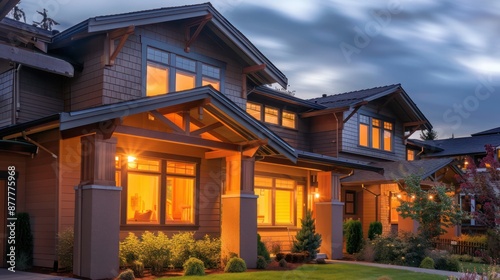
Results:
<point x="162" y="120"/>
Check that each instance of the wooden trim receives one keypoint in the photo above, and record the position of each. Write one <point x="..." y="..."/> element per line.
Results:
<point x="166" y="121"/>
<point x="254" y="68"/>
<point x="121" y="34"/>
<point x="407" y="124"/>
<point x="206" y="128"/>
<point x="191" y="38"/>
<point x="324" y="112"/>
<point x="356" y="108"/>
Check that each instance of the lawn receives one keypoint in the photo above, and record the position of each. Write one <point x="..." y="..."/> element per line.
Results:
<point x="326" y="271"/>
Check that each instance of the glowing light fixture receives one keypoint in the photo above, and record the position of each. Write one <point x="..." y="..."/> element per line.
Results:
<point x="132" y="162"/>
<point x="316" y="195"/>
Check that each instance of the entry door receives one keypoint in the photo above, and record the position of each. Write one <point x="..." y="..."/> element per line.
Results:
<point x="3" y="220"/>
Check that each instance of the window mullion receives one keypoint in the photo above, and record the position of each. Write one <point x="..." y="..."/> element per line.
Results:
<point x="199" y="77"/>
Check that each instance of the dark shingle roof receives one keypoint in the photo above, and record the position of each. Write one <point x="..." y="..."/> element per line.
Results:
<point x="495" y="130"/>
<point x="398" y="170"/>
<point x="462" y="145"/>
<point x="353" y="97"/>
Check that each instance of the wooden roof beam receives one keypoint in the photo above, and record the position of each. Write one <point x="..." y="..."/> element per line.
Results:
<point x="166" y="121"/>
<point x="191" y="38"/>
<point x="245" y="72"/>
<point x="206" y="128"/>
<point x="356" y="108"/>
<point x="121" y="34"/>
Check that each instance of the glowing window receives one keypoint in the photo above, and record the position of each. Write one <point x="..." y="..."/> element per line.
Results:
<point x="375" y="133"/>
<point x="271" y="115"/>
<point x="179" y="206"/>
<point x="276" y="201"/>
<point x="288" y="119"/>
<point x="184" y="80"/>
<point x="410" y="155"/>
<point x="156" y="79"/>
<point x="142" y="198"/>
<point x="254" y="110"/>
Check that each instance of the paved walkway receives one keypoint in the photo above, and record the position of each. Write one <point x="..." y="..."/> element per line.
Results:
<point x="21" y="275"/>
<point x="409" y="268"/>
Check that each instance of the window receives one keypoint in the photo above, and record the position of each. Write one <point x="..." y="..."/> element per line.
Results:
<point x="277" y="200"/>
<point x="254" y="110"/>
<point x="154" y="184"/>
<point x="271" y="115"/>
<point x="395" y="203"/>
<point x="410" y="155"/>
<point x="375" y="133"/>
<point x="288" y="119"/>
<point x="350" y="202"/>
<point x="167" y="72"/>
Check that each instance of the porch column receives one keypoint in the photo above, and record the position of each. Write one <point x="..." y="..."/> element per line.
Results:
<point x="239" y="210"/>
<point x="97" y="208"/>
<point x="329" y="215"/>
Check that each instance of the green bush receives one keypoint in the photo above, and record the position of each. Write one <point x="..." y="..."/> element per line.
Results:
<point x="194" y="266"/>
<point x="493" y="245"/>
<point x="208" y="250"/>
<point x="24" y="238"/>
<point x="282" y="263"/>
<point x="476" y="238"/>
<point x="261" y="262"/>
<point x="275" y="247"/>
<point x="289" y="257"/>
<point x="452" y="264"/>
<point x="130" y="249"/>
<point x="65" y="240"/>
<point x="138" y="269"/>
<point x="127" y="274"/>
<point x="427" y="263"/>
<point x="235" y="265"/>
<point x="354" y="236"/>
<point x="155" y="251"/>
<point x="374" y="229"/>
<point x="262" y="250"/>
<point x="280" y="256"/>
<point x="464" y="258"/>
<point x="307" y="239"/>
<point x="182" y="246"/>
<point x="403" y="249"/>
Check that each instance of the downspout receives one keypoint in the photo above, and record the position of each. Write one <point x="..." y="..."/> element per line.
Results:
<point x="16" y="106"/>
<point x="337" y="135"/>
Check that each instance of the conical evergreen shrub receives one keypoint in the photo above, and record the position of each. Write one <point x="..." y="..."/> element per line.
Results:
<point x="307" y="239"/>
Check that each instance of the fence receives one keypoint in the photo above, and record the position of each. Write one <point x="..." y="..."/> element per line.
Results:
<point x="460" y="247"/>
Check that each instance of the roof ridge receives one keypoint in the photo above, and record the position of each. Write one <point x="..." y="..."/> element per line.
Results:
<point x="359" y="90"/>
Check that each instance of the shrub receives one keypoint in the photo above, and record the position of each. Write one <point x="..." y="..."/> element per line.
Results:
<point x="275" y="247"/>
<point x="208" y="250"/>
<point x="138" y="269"/>
<point x="262" y="250"/>
<point x="477" y="260"/>
<point x="130" y="249"/>
<point x="307" y="239"/>
<point x="193" y="266"/>
<point x="404" y="249"/>
<point x="354" y="236"/>
<point x="65" y="240"/>
<point x="24" y="238"/>
<point x="374" y="229"/>
<point x="475" y="238"/>
<point x="465" y="258"/>
<point x="127" y="274"/>
<point x="182" y="246"/>
<point x="261" y="262"/>
<point x="283" y="263"/>
<point x="367" y="252"/>
<point x="280" y="256"/>
<point x="235" y="265"/>
<point x="493" y="245"/>
<point x="22" y="262"/>
<point x="289" y="257"/>
<point x="427" y="263"/>
<point x="452" y="264"/>
<point x="155" y="251"/>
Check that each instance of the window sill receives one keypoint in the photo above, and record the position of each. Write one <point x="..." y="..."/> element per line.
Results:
<point x="269" y="227"/>
<point x="185" y="227"/>
<point x="280" y="126"/>
<point x="365" y="148"/>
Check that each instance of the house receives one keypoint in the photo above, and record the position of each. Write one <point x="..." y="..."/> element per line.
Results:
<point x="133" y="122"/>
<point x="162" y="120"/>
<point x="462" y="149"/>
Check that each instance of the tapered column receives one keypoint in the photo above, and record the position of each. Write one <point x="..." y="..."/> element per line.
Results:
<point x="97" y="209"/>
<point x="239" y="210"/>
<point x="329" y="215"/>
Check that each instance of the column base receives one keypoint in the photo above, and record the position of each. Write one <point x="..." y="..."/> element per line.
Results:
<point x="329" y="223"/>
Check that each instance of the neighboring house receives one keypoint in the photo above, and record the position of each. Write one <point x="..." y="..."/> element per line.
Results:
<point x="462" y="149"/>
<point x="161" y="120"/>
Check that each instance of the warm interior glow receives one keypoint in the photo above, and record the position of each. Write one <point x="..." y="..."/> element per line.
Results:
<point x="376" y="137"/>
<point x="271" y="115"/>
<point x="363" y="135"/>
<point x="156" y="80"/>
<point x="214" y="83"/>
<point x="179" y="206"/>
<point x="254" y="110"/>
<point x="184" y="80"/>
<point x="399" y="196"/>
<point x="288" y="119"/>
<point x="387" y="140"/>
<point x="142" y="198"/>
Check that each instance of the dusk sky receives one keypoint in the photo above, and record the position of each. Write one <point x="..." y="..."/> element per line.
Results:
<point x="445" y="54"/>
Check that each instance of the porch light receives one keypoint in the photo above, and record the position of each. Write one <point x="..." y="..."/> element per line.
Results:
<point x="399" y="195"/>
<point x="316" y="195"/>
<point x="431" y="196"/>
<point x="132" y="162"/>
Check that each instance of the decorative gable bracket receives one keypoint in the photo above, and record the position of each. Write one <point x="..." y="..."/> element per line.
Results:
<point x="113" y="36"/>
<point x="200" y="23"/>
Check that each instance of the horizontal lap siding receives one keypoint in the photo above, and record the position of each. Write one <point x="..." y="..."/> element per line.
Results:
<point x="69" y="177"/>
<point x="323" y="135"/>
<point x="6" y="90"/>
<point x="279" y="236"/>
<point x="41" y="203"/>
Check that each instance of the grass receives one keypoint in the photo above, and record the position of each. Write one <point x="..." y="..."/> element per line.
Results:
<point x="328" y="271"/>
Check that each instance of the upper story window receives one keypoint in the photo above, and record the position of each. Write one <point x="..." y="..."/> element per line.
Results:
<point x="272" y="115"/>
<point x="375" y="133"/>
<point x="168" y="72"/>
<point x="410" y="155"/>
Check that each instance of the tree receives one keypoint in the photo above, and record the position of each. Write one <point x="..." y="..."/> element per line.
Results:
<point x="428" y="135"/>
<point x="307" y="239"/>
<point x="46" y="22"/>
<point x="483" y="183"/>
<point x="18" y="13"/>
<point x="435" y="209"/>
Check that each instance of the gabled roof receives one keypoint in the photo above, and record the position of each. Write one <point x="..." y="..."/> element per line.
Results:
<point x="217" y="105"/>
<point x="218" y="24"/>
<point x="398" y="170"/>
<point x="285" y="98"/>
<point x="495" y="130"/>
<point x="459" y="146"/>
<point x="396" y="96"/>
<point x="338" y="161"/>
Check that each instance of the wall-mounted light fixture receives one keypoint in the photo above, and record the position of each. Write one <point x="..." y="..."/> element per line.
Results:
<point x="132" y="162"/>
